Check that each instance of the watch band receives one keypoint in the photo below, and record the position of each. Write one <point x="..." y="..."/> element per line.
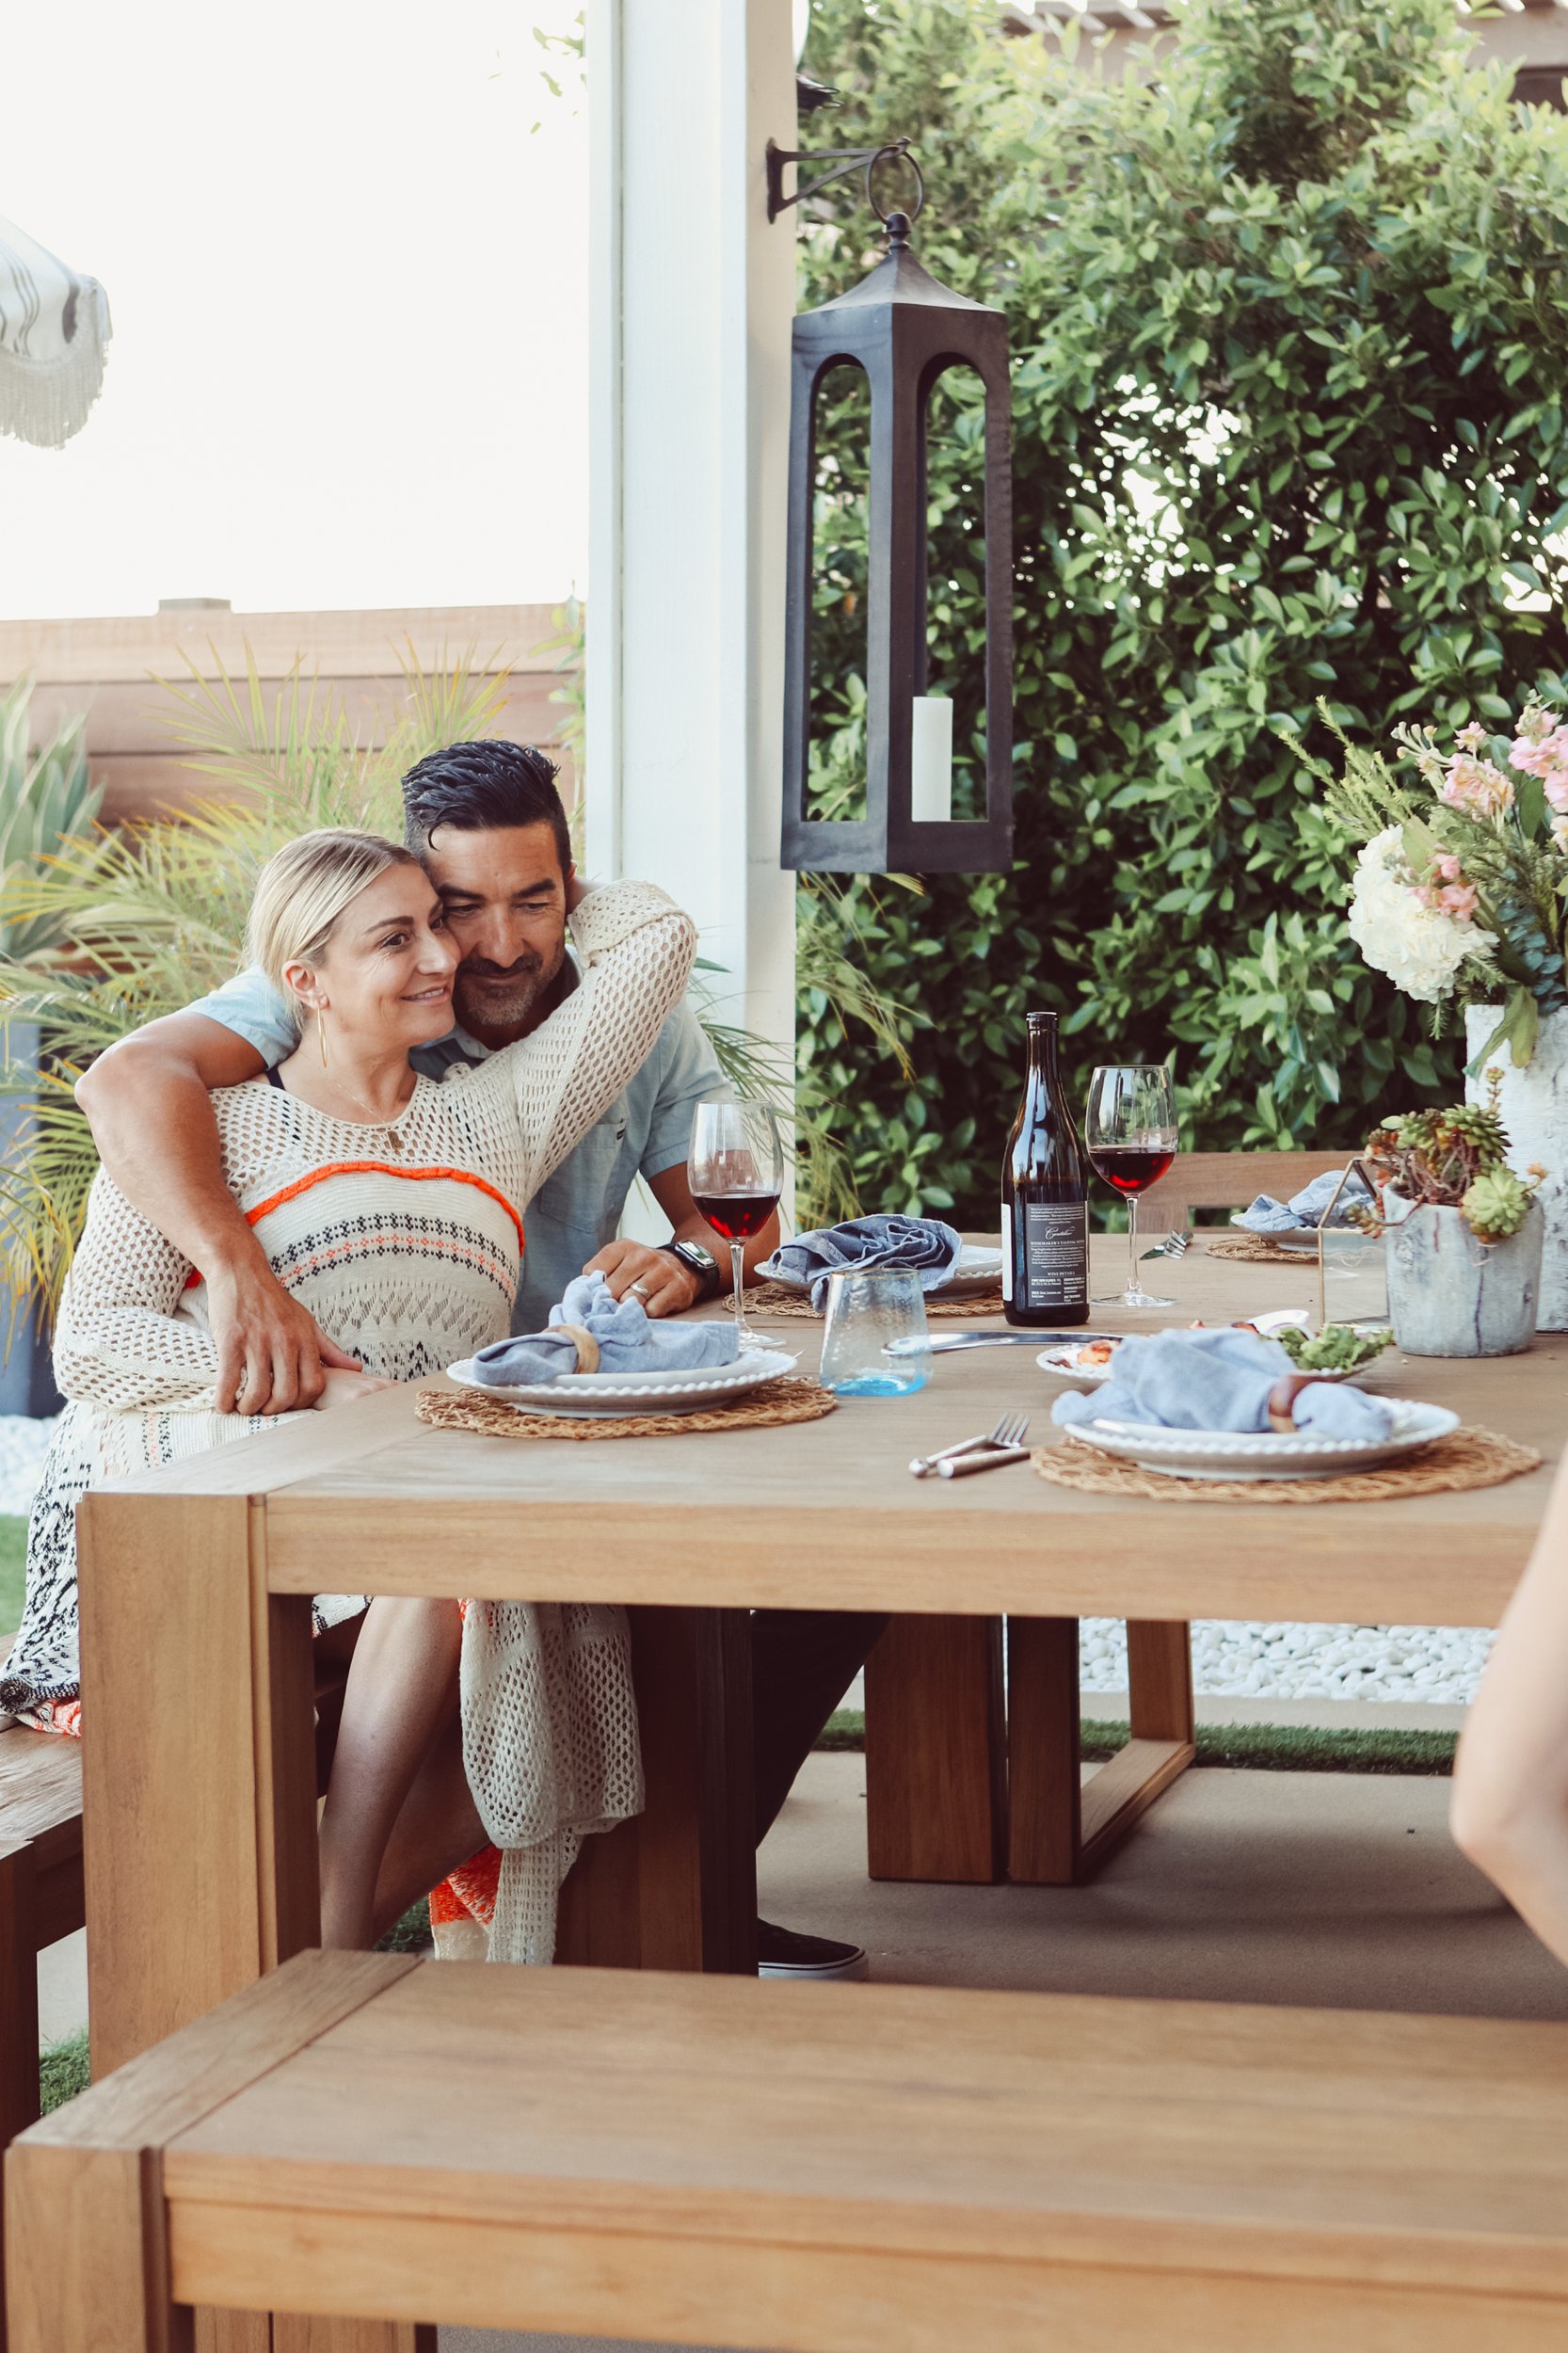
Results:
<point x="699" y="1262"/>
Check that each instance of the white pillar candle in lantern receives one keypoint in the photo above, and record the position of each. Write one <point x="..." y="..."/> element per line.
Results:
<point x="931" y="760"/>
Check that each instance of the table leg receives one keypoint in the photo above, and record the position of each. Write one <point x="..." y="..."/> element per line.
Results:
<point x="936" y="1751"/>
<point x="197" y="1798"/>
<point x="198" y="1780"/>
<point x="1062" y="1832"/>
<point x="676" y="1888"/>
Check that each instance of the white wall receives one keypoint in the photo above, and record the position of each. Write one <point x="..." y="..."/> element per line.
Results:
<point x="692" y="293"/>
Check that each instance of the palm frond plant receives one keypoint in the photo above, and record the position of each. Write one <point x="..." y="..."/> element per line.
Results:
<point x="102" y="931"/>
<point x="123" y="927"/>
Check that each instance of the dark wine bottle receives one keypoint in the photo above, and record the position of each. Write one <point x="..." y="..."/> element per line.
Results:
<point x="1045" y="1197"/>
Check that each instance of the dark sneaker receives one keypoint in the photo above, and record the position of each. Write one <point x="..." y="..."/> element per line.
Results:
<point x="781" y="1953"/>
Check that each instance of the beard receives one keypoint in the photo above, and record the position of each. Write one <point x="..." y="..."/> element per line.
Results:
<point x="509" y="995"/>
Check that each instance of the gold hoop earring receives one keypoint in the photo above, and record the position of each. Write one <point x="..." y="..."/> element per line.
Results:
<point x="321" y="1033"/>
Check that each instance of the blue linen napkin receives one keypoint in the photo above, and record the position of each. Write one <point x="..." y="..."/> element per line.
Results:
<point x="924" y="1244"/>
<point x="1218" y="1381"/>
<point x="1304" y="1208"/>
<point x="628" y="1342"/>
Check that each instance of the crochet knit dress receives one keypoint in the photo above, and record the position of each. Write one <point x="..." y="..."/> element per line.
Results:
<point x="404" y="1241"/>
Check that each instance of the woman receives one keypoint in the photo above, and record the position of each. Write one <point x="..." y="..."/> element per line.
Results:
<point x="391" y="1207"/>
<point x="1510" y="1806"/>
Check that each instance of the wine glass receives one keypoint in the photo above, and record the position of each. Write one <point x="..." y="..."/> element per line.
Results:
<point x="1130" y="1135"/>
<point x="735" y="1169"/>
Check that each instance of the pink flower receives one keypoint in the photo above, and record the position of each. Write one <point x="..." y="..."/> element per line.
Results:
<point x="1470" y="739"/>
<point x="1447" y="867"/>
<point x="1542" y="750"/>
<point x="1555" y="785"/>
<point x="1459" y="899"/>
<point x="1475" y="786"/>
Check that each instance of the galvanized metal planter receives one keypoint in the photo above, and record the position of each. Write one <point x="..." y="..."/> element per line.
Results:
<point x="1450" y="1295"/>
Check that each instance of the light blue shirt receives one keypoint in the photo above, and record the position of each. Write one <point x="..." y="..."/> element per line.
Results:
<point x="647" y="1130"/>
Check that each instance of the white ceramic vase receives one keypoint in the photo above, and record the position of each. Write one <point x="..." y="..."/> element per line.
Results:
<point x="1534" y="1107"/>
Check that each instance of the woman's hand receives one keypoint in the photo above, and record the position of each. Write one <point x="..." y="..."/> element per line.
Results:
<point x="346" y="1389"/>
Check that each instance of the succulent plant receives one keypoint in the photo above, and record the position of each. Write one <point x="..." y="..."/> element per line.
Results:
<point x="1495" y="1204"/>
<point x="1453" y="1158"/>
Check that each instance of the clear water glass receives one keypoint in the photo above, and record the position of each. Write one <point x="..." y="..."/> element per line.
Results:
<point x="868" y="1308"/>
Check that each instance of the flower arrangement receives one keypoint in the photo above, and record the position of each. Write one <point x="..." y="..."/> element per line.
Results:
<point x="1453" y="1160"/>
<point x="1461" y="889"/>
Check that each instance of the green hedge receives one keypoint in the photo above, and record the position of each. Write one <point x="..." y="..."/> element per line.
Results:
<point x="1289" y="332"/>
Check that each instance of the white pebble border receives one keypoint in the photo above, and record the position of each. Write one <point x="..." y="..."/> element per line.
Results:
<point x="1246" y="1658"/>
<point x="1240" y="1657"/>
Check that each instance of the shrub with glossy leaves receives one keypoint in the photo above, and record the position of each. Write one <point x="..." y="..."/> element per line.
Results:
<point x="1290" y="330"/>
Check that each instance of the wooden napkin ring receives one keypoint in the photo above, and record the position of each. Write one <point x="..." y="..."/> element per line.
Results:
<point x="584" y="1343"/>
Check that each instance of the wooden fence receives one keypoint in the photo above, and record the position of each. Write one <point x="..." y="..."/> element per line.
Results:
<point x="109" y="669"/>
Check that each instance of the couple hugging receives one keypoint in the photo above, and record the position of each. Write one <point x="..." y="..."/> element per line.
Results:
<point x="393" y="1138"/>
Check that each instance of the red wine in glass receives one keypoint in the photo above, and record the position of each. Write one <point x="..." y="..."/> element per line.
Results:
<point x="1130" y="1130"/>
<point x="1131" y="1168"/>
<point x="736" y="1215"/>
<point x="735" y="1169"/>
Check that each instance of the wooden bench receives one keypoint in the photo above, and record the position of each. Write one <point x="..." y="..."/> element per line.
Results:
<point x="817" y="2168"/>
<point x="41" y="1901"/>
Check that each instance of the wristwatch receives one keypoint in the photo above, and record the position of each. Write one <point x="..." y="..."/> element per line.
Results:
<point x="699" y="1262"/>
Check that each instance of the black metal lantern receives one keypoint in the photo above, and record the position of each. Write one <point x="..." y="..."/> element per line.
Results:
<point x="904" y="329"/>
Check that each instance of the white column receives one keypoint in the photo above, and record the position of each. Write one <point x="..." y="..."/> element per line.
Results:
<point x="691" y="298"/>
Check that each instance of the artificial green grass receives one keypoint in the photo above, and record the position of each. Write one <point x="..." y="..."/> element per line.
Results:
<point x="1251" y="1747"/>
<point x="412" y="1932"/>
<point x="64" y="2071"/>
<point x="13" y="1572"/>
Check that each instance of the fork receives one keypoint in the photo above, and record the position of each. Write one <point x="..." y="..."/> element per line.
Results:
<point x="1174" y="1246"/>
<point x="1009" y="1432"/>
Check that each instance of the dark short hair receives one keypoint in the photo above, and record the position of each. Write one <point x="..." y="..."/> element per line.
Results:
<point x="480" y="788"/>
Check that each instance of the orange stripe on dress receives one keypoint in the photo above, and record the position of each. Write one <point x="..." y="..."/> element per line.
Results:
<point x="382" y="1168"/>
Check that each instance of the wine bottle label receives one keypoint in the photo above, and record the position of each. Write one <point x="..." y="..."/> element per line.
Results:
<point x="1056" y="1253"/>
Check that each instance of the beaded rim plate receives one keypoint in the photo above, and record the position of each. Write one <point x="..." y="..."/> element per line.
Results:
<point x="576" y="1394"/>
<point x="1238" y="1454"/>
<point x="978" y="1270"/>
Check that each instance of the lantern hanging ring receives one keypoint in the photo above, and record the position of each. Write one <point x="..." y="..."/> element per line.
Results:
<point x="900" y="152"/>
<point x="848" y="159"/>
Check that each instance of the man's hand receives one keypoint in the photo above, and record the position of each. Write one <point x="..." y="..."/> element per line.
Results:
<point x="665" y="1285"/>
<point x="272" y="1356"/>
<point x="346" y="1389"/>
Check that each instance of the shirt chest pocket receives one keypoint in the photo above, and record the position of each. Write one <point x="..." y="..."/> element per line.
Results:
<point x="590" y="1187"/>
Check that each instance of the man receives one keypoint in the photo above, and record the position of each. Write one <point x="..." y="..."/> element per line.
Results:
<point x="487" y="823"/>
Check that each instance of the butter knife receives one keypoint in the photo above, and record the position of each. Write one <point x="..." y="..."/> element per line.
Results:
<point x="943" y="1343"/>
<point x="960" y="1465"/>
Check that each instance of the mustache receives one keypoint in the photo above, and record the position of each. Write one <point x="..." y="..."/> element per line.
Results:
<point x="525" y="967"/>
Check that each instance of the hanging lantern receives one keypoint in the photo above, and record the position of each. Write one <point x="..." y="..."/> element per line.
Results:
<point x="905" y="330"/>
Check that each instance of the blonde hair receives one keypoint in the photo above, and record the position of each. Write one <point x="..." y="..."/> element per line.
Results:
<point x="303" y="889"/>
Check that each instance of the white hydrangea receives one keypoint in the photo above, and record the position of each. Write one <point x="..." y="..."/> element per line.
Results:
<point x="1420" y="948"/>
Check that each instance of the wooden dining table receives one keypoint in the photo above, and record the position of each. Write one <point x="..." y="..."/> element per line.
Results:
<point x="196" y="1584"/>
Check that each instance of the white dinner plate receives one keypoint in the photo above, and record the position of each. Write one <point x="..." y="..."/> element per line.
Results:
<point x="576" y="1394"/>
<point x="1234" y="1454"/>
<point x="978" y="1270"/>
<point x="1062" y="1360"/>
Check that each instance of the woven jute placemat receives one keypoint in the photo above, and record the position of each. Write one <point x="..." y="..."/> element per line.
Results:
<point x="791" y="1397"/>
<point x="1467" y="1458"/>
<point x="775" y="1303"/>
<point x="1254" y="1246"/>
